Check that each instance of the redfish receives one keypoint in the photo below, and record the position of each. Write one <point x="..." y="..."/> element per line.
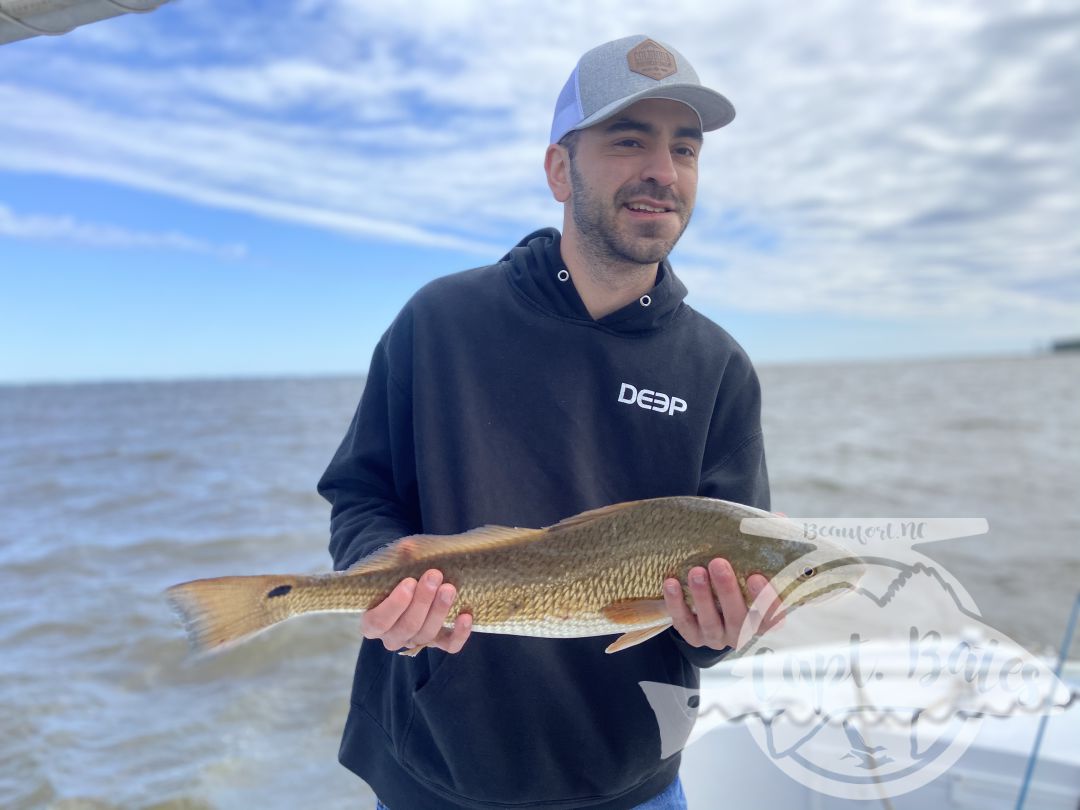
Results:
<point x="597" y="573"/>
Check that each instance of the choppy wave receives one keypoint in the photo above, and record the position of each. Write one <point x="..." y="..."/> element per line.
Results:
<point x="114" y="491"/>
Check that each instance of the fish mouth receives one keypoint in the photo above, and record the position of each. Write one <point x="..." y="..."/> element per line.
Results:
<point x="816" y="595"/>
<point x="826" y="590"/>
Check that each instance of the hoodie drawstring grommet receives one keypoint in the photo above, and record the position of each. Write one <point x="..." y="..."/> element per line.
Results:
<point x="645" y="300"/>
<point x="563" y="275"/>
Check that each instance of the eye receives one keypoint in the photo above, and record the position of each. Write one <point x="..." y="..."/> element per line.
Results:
<point x="807" y="572"/>
<point x="628" y="142"/>
<point x="686" y="151"/>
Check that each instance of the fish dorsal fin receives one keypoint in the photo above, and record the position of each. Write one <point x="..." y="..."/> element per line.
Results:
<point x="595" y="514"/>
<point x="419" y="547"/>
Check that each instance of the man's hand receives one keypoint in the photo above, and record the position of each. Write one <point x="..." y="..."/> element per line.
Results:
<point x="707" y="625"/>
<point x="413" y="615"/>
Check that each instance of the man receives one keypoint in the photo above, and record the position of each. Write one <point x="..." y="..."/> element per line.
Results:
<point x="522" y="393"/>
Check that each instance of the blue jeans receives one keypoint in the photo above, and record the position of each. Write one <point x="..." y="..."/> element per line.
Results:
<point x="671" y="798"/>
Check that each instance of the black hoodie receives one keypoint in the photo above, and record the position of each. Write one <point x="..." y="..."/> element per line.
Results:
<point x="494" y="398"/>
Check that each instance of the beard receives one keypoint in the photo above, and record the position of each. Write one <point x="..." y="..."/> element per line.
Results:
<point x="637" y="243"/>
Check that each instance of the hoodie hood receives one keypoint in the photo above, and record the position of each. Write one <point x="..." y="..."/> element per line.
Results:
<point x="533" y="267"/>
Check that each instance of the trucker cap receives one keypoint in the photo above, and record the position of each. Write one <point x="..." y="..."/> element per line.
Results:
<point x="612" y="76"/>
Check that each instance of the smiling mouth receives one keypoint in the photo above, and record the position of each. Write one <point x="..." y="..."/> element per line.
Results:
<point x="642" y="208"/>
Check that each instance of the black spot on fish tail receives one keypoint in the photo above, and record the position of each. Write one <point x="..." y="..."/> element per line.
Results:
<point x="280" y="590"/>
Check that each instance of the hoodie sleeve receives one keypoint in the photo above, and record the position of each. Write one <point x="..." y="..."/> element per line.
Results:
<point x="733" y="468"/>
<point x="371" y="480"/>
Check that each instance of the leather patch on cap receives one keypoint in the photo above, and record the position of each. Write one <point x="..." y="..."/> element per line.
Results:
<point x="651" y="59"/>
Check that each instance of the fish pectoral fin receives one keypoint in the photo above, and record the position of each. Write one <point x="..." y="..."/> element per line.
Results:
<point x="412" y="652"/>
<point x="636" y="637"/>
<point x="636" y="611"/>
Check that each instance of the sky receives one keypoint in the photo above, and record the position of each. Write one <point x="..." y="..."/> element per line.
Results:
<point x="256" y="188"/>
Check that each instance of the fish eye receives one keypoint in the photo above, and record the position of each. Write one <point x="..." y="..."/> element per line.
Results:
<point x="808" y="572"/>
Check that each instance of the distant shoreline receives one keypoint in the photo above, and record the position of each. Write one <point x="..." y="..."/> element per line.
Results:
<point x="1065" y="345"/>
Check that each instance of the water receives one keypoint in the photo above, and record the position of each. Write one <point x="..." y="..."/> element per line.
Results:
<point x="112" y="492"/>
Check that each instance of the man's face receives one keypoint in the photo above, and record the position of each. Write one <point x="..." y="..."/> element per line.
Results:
<point x="645" y="157"/>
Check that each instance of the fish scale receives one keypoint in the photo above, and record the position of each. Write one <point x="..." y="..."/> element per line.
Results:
<point x="597" y="573"/>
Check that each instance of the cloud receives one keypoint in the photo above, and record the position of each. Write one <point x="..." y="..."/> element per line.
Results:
<point x="69" y="230"/>
<point x="905" y="165"/>
<point x="899" y="159"/>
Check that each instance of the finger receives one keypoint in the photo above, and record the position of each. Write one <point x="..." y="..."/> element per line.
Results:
<point x="453" y="640"/>
<point x="730" y="597"/>
<point x="433" y="623"/>
<point x="377" y="620"/>
<point x="682" y="619"/>
<point x="408" y="625"/>
<point x="709" y="618"/>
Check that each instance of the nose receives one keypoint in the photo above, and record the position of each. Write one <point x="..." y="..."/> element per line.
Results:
<point x="659" y="167"/>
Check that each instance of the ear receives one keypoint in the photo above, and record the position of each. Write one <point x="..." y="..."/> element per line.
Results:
<point x="557" y="168"/>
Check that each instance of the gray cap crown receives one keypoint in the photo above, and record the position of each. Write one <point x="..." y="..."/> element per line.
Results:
<point x="612" y="76"/>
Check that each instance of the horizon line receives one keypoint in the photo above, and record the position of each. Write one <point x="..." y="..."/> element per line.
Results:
<point x="241" y="376"/>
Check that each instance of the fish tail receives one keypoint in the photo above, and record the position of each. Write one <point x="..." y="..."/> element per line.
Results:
<point x="220" y="612"/>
